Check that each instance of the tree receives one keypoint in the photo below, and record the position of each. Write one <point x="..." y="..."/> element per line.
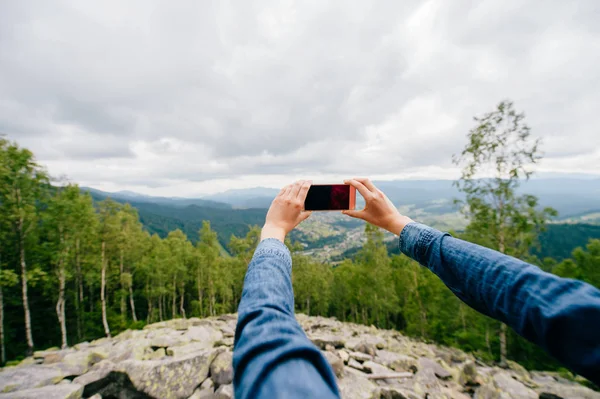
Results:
<point x="498" y="156"/>
<point x="109" y="224"/>
<point x="24" y="184"/>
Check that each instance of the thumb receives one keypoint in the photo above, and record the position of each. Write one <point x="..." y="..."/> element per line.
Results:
<point x="354" y="213"/>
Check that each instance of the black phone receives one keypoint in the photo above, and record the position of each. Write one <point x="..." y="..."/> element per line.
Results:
<point x="330" y="197"/>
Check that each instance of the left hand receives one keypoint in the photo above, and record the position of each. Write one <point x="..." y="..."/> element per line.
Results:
<point x="286" y="212"/>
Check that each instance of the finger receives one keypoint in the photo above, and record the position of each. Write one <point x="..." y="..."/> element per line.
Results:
<point x="355" y="214"/>
<point x="304" y="190"/>
<point x="285" y="191"/>
<point x="361" y="188"/>
<point x="281" y="192"/>
<point x="367" y="183"/>
<point x="293" y="193"/>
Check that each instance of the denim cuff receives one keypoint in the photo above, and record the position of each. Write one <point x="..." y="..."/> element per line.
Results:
<point x="274" y="247"/>
<point x="415" y="239"/>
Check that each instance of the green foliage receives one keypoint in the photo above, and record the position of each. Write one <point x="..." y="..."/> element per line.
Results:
<point x="152" y="277"/>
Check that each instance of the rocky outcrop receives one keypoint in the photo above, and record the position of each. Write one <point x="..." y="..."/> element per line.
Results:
<point x="181" y="359"/>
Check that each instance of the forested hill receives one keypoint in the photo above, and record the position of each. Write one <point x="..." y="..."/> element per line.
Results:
<point x="162" y="215"/>
<point x="557" y="242"/>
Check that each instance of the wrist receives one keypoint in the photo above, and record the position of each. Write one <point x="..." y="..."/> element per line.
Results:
<point x="270" y="231"/>
<point x="398" y="224"/>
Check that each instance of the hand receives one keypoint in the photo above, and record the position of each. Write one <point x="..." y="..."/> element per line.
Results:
<point x="286" y="212"/>
<point x="379" y="210"/>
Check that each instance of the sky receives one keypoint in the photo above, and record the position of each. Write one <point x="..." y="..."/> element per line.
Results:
<point x="189" y="98"/>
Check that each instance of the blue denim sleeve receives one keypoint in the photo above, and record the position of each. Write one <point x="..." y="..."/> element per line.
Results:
<point x="272" y="357"/>
<point x="561" y="315"/>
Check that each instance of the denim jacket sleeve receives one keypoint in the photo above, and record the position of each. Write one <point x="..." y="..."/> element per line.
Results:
<point x="272" y="356"/>
<point x="561" y="315"/>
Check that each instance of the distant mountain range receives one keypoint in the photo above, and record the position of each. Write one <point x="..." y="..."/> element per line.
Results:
<point x="428" y="201"/>
<point x="570" y="196"/>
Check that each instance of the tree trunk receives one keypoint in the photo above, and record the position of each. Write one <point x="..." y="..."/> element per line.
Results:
<point x="132" y="303"/>
<point x="502" y="344"/>
<point x="123" y="305"/>
<point x="160" y="308"/>
<point x="78" y="291"/>
<point x="102" y="289"/>
<point x="2" y="347"/>
<point x="181" y="307"/>
<point x="200" y="291"/>
<point x="24" y="288"/>
<point x="308" y="306"/>
<point x="60" y="303"/>
<point x="174" y="303"/>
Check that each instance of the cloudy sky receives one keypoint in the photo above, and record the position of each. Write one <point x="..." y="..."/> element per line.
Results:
<point x="192" y="97"/>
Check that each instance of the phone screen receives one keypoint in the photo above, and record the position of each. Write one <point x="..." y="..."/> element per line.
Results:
<point x="328" y="197"/>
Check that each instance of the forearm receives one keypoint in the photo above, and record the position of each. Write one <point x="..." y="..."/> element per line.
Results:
<point x="269" y="342"/>
<point x="561" y="315"/>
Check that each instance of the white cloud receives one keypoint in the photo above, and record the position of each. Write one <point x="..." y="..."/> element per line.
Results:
<point x="194" y="97"/>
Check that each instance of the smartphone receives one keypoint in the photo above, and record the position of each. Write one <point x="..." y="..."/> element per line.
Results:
<point x="330" y="197"/>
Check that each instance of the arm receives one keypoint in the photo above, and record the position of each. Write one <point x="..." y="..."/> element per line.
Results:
<point x="272" y="356"/>
<point x="560" y="315"/>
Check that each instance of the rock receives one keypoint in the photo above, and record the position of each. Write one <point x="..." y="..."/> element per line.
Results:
<point x="553" y="390"/>
<point x="327" y="339"/>
<point x="36" y="376"/>
<point x="329" y="348"/>
<point x="354" y="364"/>
<point x="178" y="324"/>
<point x="336" y="363"/>
<point x="469" y="375"/>
<point x="375" y="368"/>
<point x="96" y="396"/>
<point x="398" y="393"/>
<point x="227" y="331"/>
<point x="169" y="378"/>
<point x="165" y="341"/>
<point x="427" y="384"/>
<point x="345" y="356"/>
<point x="205" y="334"/>
<point x="355" y="385"/>
<point x="185" y="350"/>
<point x="131" y="349"/>
<point x="368" y="348"/>
<point x="438" y="370"/>
<point x="156" y="355"/>
<point x="361" y="357"/>
<point x="224" y="392"/>
<point x="208" y="384"/>
<point x="221" y="370"/>
<point x="62" y="391"/>
<point x="509" y="387"/>
<point x="202" y="394"/>
<point x="397" y="361"/>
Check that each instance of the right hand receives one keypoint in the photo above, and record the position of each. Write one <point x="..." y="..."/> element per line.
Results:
<point x="378" y="210"/>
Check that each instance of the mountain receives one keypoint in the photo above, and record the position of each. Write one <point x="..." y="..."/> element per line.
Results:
<point x="160" y="215"/>
<point x="177" y="202"/>
<point x="328" y="235"/>
<point x="259" y="197"/>
<point x="570" y="196"/>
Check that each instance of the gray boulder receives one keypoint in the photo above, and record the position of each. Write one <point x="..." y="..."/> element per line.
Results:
<point x="61" y="391"/>
<point x="169" y="378"/>
<point x="224" y="392"/>
<point x="221" y="370"/>
<point x="35" y="376"/>
<point x="335" y="362"/>
<point x="355" y="385"/>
